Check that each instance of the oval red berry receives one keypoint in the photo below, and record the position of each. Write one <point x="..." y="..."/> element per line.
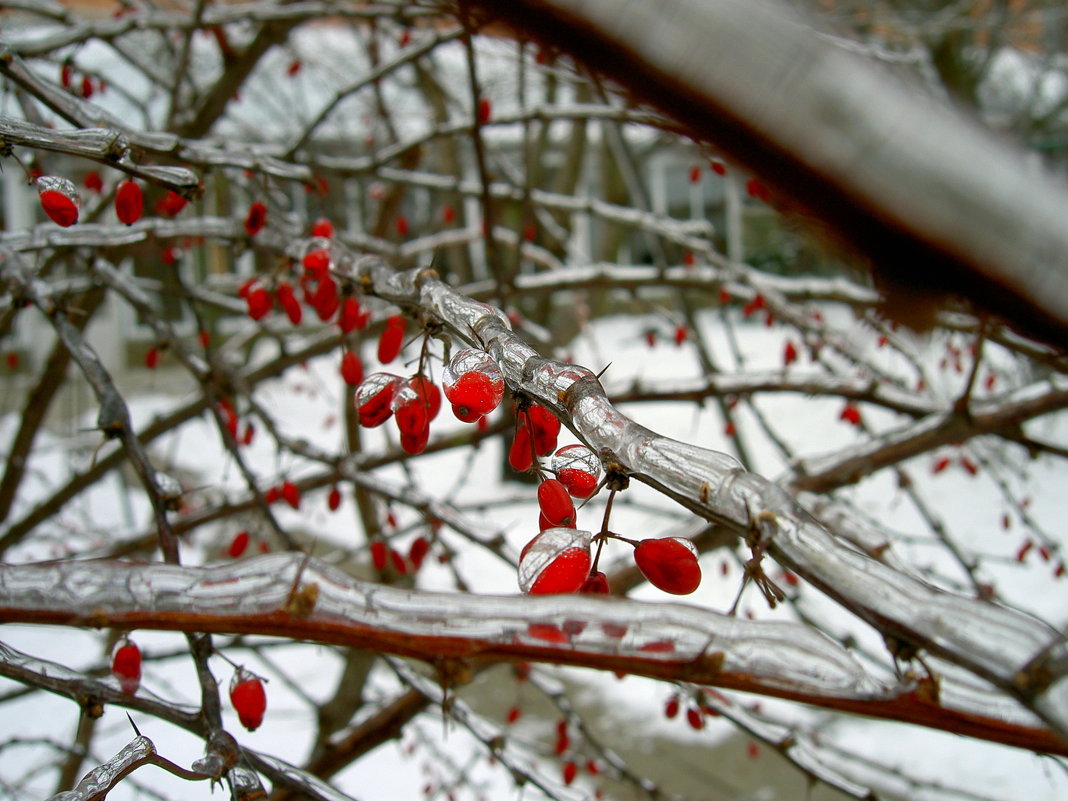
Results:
<point x="249" y="700"/>
<point x="669" y="564"/>
<point x="129" y="202"/>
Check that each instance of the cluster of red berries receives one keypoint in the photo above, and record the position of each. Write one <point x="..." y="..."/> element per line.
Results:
<point x="413" y="402"/>
<point x="383" y="556"/>
<point x="286" y="491"/>
<point x="318" y="290"/>
<point x="471" y="381"/>
<point x="559" y="558"/>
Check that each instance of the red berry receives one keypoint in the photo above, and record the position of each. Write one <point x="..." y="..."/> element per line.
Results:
<point x="351" y="316"/>
<point x="171" y="204"/>
<point x="66" y="75"/>
<point x="126" y="666"/>
<point x="718" y="167"/>
<point x="294" y="67"/>
<point x="940" y="465"/>
<point x="317" y="263"/>
<point x="238" y="544"/>
<point x="257" y="217"/>
<point x="428" y="391"/>
<point x="681" y="334"/>
<point x="333" y="500"/>
<point x="851" y="414"/>
<point x="391" y="340"/>
<point x="93" y="182"/>
<point x="472" y="396"/>
<point x="326" y="300"/>
<point x="323" y="227"/>
<point x="248" y="698"/>
<point x="570" y="771"/>
<point x="555" y="502"/>
<point x="379" y="555"/>
<point x="695" y="718"/>
<point x="272" y="495"/>
<point x="152" y="358"/>
<point x="695" y="174"/>
<point x="789" y="354"/>
<point x="291" y="494"/>
<point x="556" y="561"/>
<point x="596" y="584"/>
<point x="485" y="110"/>
<point x="405" y="38"/>
<point x="417" y="551"/>
<point x="289" y="303"/>
<point x="519" y="455"/>
<point x="409" y="411"/>
<point x="754" y="305"/>
<point x="11" y="359"/>
<point x="374" y="398"/>
<point x="472" y="383"/>
<point x="259" y="303"/>
<point x="513" y="714"/>
<point x="671" y="708"/>
<point x="351" y="368"/>
<point x="402" y="225"/>
<point x="129" y="202"/>
<point x="448" y="214"/>
<point x="250" y="432"/>
<point x="545" y="429"/>
<point x="670" y="564"/>
<point x="59" y="199"/>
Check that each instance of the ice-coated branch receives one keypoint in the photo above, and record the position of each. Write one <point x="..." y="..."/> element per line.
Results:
<point x="1016" y="652"/>
<point x="109" y="147"/>
<point x="102" y="779"/>
<point x="667" y="641"/>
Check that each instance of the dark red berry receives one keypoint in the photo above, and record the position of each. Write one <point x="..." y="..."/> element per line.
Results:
<point x="351" y="368"/>
<point x="289" y="303"/>
<point x="93" y="182"/>
<point x="238" y="544"/>
<point x="519" y="455"/>
<point x="291" y="494"/>
<point x="257" y="217"/>
<point x="171" y="204"/>
<point x="351" y="316"/>
<point x="333" y="500"/>
<point x="545" y="429"/>
<point x="259" y="303"/>
<point x="391" y="340"/>
<point x="129" y="202"/>
<point x="596" y="584"/>
<point x="379" y="555"/>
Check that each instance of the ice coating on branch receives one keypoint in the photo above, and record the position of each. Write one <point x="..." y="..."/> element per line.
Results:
<point x="245" y="595"/>
<point x="103" y="778"/>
